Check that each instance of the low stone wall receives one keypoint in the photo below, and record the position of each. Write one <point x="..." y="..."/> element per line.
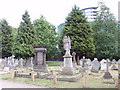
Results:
<point x="49" y="77"/>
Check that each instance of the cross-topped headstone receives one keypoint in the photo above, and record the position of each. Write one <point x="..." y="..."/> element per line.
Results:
<point x="21" y="62"/>
<point x="107" y="74"/>
<point x="31" y="61"/>
<point x="74" y="57"/>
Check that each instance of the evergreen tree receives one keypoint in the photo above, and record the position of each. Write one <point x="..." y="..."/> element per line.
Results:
<point x="47" y="36"/>
<point x="25" y="39"/>
<point x="80" y="32"/>
<point x="106" y="33"/>
<point x="6" y="38"/>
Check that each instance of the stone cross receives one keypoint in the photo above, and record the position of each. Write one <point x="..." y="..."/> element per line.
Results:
<point x="31" y="61"/>
<point x="74" y="57"/>
<point x="84" y="60"/>
<point x="21" y="62"/>
<point x="107" y="68"/>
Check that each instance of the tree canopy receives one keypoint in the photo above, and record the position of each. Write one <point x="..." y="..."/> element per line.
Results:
<point x="6" y="38"/>
<point x="47" y="36"/>
<point x="80" y="32"/>
<point x="25" y="39"/>
<point x="105" y="32"/>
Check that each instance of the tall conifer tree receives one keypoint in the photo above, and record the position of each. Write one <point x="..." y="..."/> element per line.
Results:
<point x="6" y="38"/>
<point x="25" y="39"/>
<point x="80" y="32"/>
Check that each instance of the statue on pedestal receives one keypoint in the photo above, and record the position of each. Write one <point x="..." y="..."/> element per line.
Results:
<point x="67" y="45"/>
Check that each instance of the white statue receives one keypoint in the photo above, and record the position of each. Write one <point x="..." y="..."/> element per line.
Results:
<point x="67" y="45"/>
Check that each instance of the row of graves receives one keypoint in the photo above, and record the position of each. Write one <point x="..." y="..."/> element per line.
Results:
<point x="69" y="71"/>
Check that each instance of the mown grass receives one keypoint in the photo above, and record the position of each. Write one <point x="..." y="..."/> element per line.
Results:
<point x="53" y="63"/>
<point x="94" y="80"/>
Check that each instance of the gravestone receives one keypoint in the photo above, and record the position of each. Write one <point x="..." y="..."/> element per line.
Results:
<point x="119" y="68"/>
<point x="74" y="60"/>
<point x="103" y="64"/>
<point x="21" y="62"/>
<point x="107" y="74"/>
<point x="6" y="69"/>
<point x="68" y="68"/>
<point x="40" y="59"/>
<point x="84" y="65"/>
<point x="114" y="67"/>
<point x="88" y="61"/>
<point x="114" y="61"/>
<point x="95" y="65"/>
<point x="31" y="62"/>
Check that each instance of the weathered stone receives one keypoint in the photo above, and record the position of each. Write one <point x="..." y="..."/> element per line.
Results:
<point x="103" y="63"/>
<point x="40" y="59"/>
<point x="68" y="68"/>
<point x="107" y="75"/>
<point x="95" y="65"/>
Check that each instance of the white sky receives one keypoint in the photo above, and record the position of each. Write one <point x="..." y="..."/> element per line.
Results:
<point x="55" y="11"/>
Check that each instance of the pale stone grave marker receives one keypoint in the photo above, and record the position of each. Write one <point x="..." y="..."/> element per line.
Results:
<point x="103" y="63"/>
<point x="95" y="65"/>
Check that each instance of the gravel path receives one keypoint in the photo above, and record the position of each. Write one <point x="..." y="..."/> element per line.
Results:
<point x="11" y="84"/>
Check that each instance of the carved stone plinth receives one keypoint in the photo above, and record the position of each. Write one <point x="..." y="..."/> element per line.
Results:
<point x="68" y="68"/>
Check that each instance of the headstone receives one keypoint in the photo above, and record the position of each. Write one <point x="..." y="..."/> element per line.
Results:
<point x="31" y="62"/>
<point x="21" y="62"/>
<point x="16" y="63"/>
<point x="107" y="74"/>
<point x="68" y="68"/>
<point x="88" y="61"/>
<point x="74" y="60"/>
<point x="84" y="65"/>
<point x="119" y="68"/>
<point x="103" y="63"/>
<point x="114" y="61"/>
<point x="95" y="65"/>
<point x="114" y="67"/>
<point x="6" y="69"/>
<point x="40" y="59"/>
<point x="5" y="61"/>
<point x="12" y="59"/>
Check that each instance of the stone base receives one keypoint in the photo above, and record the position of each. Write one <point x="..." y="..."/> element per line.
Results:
<point x="114" y="67"/>
<point x="107" y="75"/>
<point x="40" y="68"/>
<point x="68" y="71"/>
<point x="95" y="71"/>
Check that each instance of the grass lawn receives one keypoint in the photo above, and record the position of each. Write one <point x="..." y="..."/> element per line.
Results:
<point x="93" y="81"/>
<point x="53" y="63"/>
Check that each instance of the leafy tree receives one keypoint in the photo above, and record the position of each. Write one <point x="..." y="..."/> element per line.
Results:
<point x="105" y="44"/>
<point x="6" y="38"/>
<point x="47" y="36"/>
<point x="105" y="23"/>
<point x="25" y="38"/>
<point x="105" y="20"/>
<point x="80" y="32"/>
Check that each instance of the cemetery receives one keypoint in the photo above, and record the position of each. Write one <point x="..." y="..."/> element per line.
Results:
<point x="83" y="75"/>
<point x="77" y="53"/>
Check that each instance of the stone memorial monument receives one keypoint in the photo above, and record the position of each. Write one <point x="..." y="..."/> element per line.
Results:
<point x="40" y="59"/>
<point x="68" y="68"/>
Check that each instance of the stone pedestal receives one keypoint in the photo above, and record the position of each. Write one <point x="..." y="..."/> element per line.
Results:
<point x="40" y="59"/>
<point x="68" y="68"/>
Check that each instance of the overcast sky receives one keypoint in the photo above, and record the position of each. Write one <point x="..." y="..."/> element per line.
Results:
<point x="55" y="11"/>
